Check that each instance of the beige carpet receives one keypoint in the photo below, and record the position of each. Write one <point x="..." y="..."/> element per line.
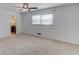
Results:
<point x="30" y="45"/>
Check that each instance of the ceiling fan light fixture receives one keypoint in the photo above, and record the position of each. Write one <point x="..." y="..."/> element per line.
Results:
<point x="25" y="10"/>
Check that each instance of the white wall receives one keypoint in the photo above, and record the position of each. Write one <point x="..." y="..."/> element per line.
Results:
<point x="19" y="23"/>
<point x="5" y="16"/>
<point x="65" y="27"/>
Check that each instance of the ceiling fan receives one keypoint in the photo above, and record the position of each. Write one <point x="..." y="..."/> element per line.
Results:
<point x="25" y="7"/>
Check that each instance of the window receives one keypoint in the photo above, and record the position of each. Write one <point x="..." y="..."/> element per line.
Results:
<point x="36" y="19"/>
<point x="46" y="19"/>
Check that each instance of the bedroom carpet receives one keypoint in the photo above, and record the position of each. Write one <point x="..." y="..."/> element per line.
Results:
<point x="30" y="45"/>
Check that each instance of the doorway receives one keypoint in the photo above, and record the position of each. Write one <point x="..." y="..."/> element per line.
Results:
<point x="13" y="25"/>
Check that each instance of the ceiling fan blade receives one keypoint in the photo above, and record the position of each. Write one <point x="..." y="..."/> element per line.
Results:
<point x="29" y="10"/>
<point x="25" y="10"/>
<point x="33" y="8"/>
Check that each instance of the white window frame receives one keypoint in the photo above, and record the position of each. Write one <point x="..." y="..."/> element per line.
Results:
<point x="41" y="19"/>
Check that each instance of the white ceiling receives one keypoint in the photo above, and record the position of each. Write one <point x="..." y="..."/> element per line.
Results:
<point x="45" y="5"/>
<point x="11" y="6"/>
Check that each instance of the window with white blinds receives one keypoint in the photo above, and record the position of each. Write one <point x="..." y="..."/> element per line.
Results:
<point x="36" y="19"/>
<point x="46" y="19"/>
